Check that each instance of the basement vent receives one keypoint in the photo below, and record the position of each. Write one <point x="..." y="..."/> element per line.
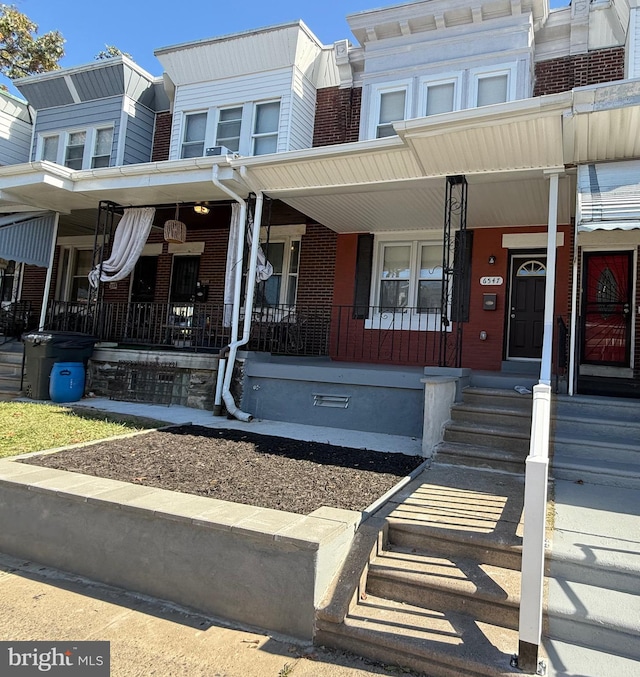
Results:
<point x="335" y="401"/>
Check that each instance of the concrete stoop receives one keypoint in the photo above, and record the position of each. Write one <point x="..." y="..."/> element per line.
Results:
<point x="10" y="369"/>
<point x="434" y="584"/>
<point x="489" y="429"/>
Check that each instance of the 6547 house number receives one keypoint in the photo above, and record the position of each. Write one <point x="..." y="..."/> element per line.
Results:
<point x="491" y="281"/>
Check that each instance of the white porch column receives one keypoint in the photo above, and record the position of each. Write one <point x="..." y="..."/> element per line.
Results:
<point x="47" y="283"/>
<point x="537" y="470"/>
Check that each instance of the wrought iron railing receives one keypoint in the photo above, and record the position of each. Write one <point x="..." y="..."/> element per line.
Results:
<point x="407" y="336"/>
<point x="15" y="318"/>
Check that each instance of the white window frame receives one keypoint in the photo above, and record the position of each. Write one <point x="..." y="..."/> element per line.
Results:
<point x="93" y="136"/>
<point x="477" y="74"/>
<point x="67" y="272"/>
<point x="286" y="275"/>
<point x="242" y="142"/>
<point x="377" y="91"/>
<point x="254" y="120"/>
<point x="445" y="79"/>
<point x="409" y="318"/>
<point x="183" y="133"/>
<point x="40" y="149"/>
<point x="67" y="145"/>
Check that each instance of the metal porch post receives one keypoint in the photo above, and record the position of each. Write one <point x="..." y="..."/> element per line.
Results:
<point x="537" y="470"/>
<point x="47" y="283"/>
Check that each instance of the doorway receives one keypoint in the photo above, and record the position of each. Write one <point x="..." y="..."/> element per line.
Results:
<point x="528" y="276"/>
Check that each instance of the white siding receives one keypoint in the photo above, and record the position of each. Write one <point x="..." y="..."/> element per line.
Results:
<point x="303" y="111"/>
<point x="15" y="139"/>
<point x="634" y="44"/>
<point x="207" y="96"/>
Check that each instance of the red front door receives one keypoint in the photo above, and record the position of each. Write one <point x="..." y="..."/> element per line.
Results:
<point x="607" y="306"/>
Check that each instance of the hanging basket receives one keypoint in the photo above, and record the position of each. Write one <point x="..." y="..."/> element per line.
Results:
<point x="175" y="231"/>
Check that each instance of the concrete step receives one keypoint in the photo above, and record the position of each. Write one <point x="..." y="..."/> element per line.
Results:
<point x="435" y="642"/>
<point x="597" y="471"/>
<point x="568" y="660"/>
<point x="502" y="380"/>
<point x="491" y="436"/>
<point x="605" y="450"/>
<point x="587" y="407"/>
<point x="597" y="428"/>
<point x="497" y="398"/>
<point x="9" y="384"/>
<point x="489" y="593"/>
<point x="7" y="369"/>
<point x="477" y="456"/>
<point x="581" y="614"/>
<point x="604" y="561"/>
<point x="512" y="419"/>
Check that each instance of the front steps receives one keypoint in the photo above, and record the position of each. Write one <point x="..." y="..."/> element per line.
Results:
<point x="11" y="354"/>
<point x="440" y="584"/>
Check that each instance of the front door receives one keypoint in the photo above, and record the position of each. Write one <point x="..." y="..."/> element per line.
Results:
<point x="607" y="306"/>
<point x="526" y="307"/>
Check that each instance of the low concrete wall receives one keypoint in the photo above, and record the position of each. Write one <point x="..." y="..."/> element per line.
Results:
<point x="439" y="397"/>
<point x="253" y="565"/>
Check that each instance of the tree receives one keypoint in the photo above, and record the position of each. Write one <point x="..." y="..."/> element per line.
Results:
<point x="109" y="52"/>
<point x="22" y="52"/>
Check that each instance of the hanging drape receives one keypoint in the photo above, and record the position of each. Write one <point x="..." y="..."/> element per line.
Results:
<point x="264" y="270"/>
<point x="129" y="240"/>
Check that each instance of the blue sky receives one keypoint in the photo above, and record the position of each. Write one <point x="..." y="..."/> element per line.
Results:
<point x="138" y="26"/>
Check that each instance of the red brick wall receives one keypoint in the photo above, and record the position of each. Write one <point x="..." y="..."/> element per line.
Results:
<point x="33" y="282"/>
<point x="317" y="266"/>
<point x="565" y="73"/>
<point x="161" y="137"/>
<point x="337" y="116"/>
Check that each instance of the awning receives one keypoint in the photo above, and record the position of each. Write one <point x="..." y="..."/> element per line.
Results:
<point x="27" y="237"/>
<point x="609" y="196"/>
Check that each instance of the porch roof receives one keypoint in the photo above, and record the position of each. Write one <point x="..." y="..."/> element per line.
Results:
<point x="397" y="183"/>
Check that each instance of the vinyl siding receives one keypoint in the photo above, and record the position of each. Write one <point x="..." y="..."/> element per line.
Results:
<point x="303" y="110"/>
<point x="15" y="139"/>
<point x="634" y="44"/>
<point x="236" y="91"/>
<point x="139" y="136"/>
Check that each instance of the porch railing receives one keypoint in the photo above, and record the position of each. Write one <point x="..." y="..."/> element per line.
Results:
<point x="15" y="318"/>
<point x="407" y="336"/>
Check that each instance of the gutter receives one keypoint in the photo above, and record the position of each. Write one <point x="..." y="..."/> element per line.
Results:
<point x="228" y="355"/>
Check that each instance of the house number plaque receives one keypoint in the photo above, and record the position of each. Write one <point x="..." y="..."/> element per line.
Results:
<point x="491" y="281"/>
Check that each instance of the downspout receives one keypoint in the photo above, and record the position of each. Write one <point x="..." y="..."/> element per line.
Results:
<point x="47" y="284"/>
<point x="573" y="338"/>
<point x="230" y="352"/>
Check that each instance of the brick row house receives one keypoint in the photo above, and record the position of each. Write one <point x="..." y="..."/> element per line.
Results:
<point x="403" y="184"/>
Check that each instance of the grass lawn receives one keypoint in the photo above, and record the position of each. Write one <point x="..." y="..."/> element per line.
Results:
<point x="26" y="427"/>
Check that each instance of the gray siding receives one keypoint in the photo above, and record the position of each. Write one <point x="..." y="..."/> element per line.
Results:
<point x="15" y="138"/>
<point x="46" y="94"/>
<point x="81" y="116"/>
<point x="99" y="83"/>
<point x="139" y="136"/>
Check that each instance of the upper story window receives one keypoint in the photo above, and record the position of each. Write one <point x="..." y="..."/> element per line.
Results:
<point x="265" y="129"/>
<point x="390" y="104"/>
<point x="229" y="128"/>
<point x="195" y="127"/>
<point x="78" y="149"/>
<point x="74" y="151"/>
<point x="492" y="86"/>
<point x="102" y="148"/>
<point x="439" y="96"/>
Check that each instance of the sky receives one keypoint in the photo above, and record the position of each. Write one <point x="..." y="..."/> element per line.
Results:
<point x="138" y="27"/>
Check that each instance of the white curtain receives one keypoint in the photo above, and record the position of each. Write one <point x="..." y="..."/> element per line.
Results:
<point x="129" y="240"/>
<point x="264" y="270"/>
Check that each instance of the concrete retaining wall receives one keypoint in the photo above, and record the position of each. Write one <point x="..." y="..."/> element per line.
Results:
<point x="253" y="565"/>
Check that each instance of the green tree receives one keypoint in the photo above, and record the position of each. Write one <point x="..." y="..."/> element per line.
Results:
<point x="110" y="51"/>
<point x="22" y="52"/>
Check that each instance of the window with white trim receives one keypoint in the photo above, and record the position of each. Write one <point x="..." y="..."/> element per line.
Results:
<point x="439" y="96"/>
<point x="409" y="276"/>
<point x="265" y="127"/>
<point x="229" y="128"/>
<point x="194" y="132"/>
<point x="74" y="150"/>
<point x="491" y="86"/>
<point x="73" y="283"/>
<point x="392" y="107"/>
<point x="102" y="145"/>
<point x="282" y="287"/>
<point x="50" y="146"/>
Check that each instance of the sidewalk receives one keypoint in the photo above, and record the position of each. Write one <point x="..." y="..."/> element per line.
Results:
<point x="149" y="637"/>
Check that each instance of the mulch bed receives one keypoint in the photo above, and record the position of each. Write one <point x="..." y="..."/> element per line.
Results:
<point x="232" y="465"/>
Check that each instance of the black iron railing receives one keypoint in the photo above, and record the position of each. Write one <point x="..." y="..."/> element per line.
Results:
<point x="15" y="318"/>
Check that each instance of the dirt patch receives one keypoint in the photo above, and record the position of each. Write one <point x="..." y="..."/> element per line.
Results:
<point x="243" y="467"/>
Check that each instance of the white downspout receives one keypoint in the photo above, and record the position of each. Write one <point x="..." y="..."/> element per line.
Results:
<point x="47" y="284"/>
<point x="573" y="338"/>
<point x="235" y="343"/>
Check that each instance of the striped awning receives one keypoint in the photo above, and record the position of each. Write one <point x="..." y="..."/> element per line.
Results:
<point x="28" y="237"/>
<point x="609" y="196"/>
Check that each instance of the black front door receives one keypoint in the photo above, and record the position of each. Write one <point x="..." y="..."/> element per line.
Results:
<point x="526" y="307"/>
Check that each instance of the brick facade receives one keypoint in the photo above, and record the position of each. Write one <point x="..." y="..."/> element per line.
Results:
<point x="565" y="73"/>
<point x="161" y="137"/>
<point x="317" y="266"/>
<point x="337" y="116"/>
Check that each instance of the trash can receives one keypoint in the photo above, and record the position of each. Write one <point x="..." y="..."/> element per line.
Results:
<point x="43" y="349"/>
<point x="66" y="383"/>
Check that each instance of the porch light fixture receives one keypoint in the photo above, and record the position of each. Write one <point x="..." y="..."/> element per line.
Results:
<point x="492" y="259"/>
<point x="174" y="230"/>
<point x="201" y="209"/>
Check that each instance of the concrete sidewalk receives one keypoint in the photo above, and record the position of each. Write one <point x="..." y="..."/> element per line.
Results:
<point x="149" y="637"/>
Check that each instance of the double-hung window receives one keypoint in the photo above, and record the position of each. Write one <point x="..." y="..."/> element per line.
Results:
<point x="408" y="282"/>
<point x="265" y="128"/>
<point x="193" y="136"/>
<point x="102" y="148"/>
<point x="491" y="86"/>
<point x="392" y="109"/>
<point x="282" y="287"/>
<point x="439" y="96"/>
<point x="74" y="151"/>
<point x="49" y="148"/>
<point x="229" y="128"/>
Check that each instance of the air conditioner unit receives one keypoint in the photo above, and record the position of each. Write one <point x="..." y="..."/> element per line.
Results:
<point x="218" y="150"/>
